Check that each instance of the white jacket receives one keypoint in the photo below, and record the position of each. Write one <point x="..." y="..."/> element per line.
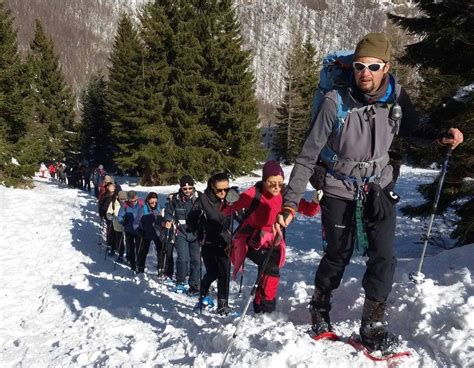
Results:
<point x="112" y="213"/>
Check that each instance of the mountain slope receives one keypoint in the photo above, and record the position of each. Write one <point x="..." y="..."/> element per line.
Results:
<point x="83" y="31"/>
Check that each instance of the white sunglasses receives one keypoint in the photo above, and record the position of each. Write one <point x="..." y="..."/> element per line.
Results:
<point x="373" y="67"/>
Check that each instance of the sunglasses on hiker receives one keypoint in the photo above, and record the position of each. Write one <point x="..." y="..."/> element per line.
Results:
<point x="374" y="67"/>
<point x="187" y="189"/>
<point x="221" y="190"/>
<point x="275" y="184"/>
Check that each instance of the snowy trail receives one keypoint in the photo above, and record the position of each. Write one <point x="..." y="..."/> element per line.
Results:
<point x="62" y="305"/>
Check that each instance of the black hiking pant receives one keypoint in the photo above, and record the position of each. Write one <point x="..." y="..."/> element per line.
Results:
<point x="132" y="244"/>
<point x="144" y="249"/>
<point x="217" y="268"/>
<point x="120" y="242"/>
<point x="338" y="219"/>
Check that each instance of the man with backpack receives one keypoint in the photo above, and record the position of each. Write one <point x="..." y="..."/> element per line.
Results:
<point x="357" y="112"/>
<point x="128" y="217"/>
<point x="186" y="243"/>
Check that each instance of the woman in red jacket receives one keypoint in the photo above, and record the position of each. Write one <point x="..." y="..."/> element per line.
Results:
<point x="256" y="234"/>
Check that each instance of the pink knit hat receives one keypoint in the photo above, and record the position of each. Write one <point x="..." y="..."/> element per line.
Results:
<point x="272" y="168"/>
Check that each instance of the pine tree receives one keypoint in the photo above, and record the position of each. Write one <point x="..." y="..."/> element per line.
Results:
<point x="446" y="58"/>
<point x="294" y="111"/>
<point x="126" y="96"/>
<point x="230" y="108"/>
<point x="95" y="141"/>
<point x="13" y="114"/>
<point x="14" y="108"/>
<point x="159" y="154"/>
<point x="183" y="109"/>
<point x="53" y="100"/>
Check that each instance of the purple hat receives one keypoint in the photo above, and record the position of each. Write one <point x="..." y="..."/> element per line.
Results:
<point x="272" y="168"/>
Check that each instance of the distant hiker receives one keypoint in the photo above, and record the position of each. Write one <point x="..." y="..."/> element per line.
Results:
<point x="52" y="170"/>
<point x="62" y="172"/>
<point x="86" y="178"/>
<point x="112" y="215"/>
<point x="128" y="217"/>
<point x="98" y="177"/>
<point x="150" y="220"/>
<point x="186" y="243"/>
<point x="356" y="171"/>
<point x="104" y="202"/>
<point x="256" y="233"/>
<point x="212" y="228"/>
<point x="43" y="169"/>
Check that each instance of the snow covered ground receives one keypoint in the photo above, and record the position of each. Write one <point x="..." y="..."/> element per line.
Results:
<point x="64" y="304"/>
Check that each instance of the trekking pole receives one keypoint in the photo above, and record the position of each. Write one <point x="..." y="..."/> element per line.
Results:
<point x="201" y="228"/>
<point x="275" y="244"/>
<point x="101" y="225"/>
<point x="417" y="277"/>
<point x="241" y="277"/>
<point x="164" y="258"/>
<point x="231" y="228"/>
<point x="108" y="246"/>
<point x="122" y="239"/>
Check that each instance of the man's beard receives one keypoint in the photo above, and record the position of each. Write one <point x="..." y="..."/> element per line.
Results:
<point x="367" y="89"/>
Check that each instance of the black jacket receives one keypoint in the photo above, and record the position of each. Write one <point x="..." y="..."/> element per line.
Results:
<point x="104" y="203"/>
<point x="208" y="222"/>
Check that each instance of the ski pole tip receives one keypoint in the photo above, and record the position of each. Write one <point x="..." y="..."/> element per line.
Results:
<point x="417" y="277"/>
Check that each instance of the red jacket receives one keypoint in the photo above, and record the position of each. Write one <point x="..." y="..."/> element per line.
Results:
<point x="261" y="222"/>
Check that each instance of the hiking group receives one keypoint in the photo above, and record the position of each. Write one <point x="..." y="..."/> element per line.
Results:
<point x="358" y="110"/>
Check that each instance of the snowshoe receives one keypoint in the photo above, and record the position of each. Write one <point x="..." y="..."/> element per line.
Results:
<point x="180" y="289"/>
<point x="227" y="311"/>
<point x="375" y="355"/>
<point x="206" y="303"/>
<point x="169" y="281"/>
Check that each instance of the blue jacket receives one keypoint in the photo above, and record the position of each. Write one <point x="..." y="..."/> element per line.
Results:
<point x="177" y="210"/>
<point x="128" y="216"/>
<point x="150" y="221"/>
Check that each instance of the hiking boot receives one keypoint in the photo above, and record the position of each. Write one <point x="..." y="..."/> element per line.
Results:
<point x="375" y="336"/>
<point x="373" y="332"/>
<point x="319" y="307"/>
<point x="192" y="291"/>
<point x="223" y="308"/>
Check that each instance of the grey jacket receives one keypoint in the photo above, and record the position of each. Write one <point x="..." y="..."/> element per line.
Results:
<point x="366" y="136"/>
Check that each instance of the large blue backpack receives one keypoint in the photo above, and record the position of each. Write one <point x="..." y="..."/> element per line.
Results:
<point x="336" y="73"/>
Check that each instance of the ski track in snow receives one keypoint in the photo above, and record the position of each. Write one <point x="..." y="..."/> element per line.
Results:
<point x="63" y="305"/>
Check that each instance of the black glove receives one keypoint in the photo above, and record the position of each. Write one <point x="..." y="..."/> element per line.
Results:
<point x="232" y="196"/>
<point x="377" y="206"/>
<point x="128" y="219"/>
<point x="286" y="212"/>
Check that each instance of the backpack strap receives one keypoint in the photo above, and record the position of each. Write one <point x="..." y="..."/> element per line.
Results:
<point x="252" y="207"/>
